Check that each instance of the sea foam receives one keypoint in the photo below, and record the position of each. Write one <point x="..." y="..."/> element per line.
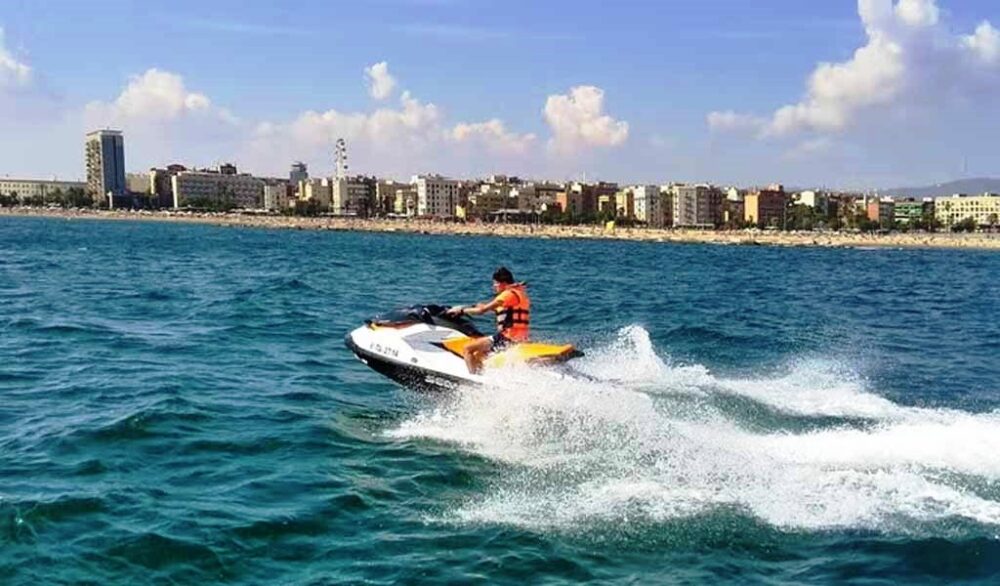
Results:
<point x="641" y="439"/>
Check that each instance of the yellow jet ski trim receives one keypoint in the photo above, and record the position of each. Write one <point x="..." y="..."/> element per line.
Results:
<point x="517" y="353"/>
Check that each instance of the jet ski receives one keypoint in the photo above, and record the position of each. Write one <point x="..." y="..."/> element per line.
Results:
<point x="421" y="347"/>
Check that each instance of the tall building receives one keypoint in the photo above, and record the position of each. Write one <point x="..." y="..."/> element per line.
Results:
<point x="646" y="200"/>
<point x="910" y="210"/>
<point x="817" y="200"/>
<point x="697" y="206"/>
<point x="138" y="183"/>
<point x="983" y="209"/>
<point x="489" y="198"/>
<point x="217" y="187"/>
<point x="105" y="156"/>
<point x="733" y="212"/>
<point x="625" y="204"/>
<point x="318" y="192"/>
<point x="353" y="196"/>
<point x="161" y="184"/>
<point x="583" y="199"/>
<point x="766" y="207"/>
<point x="606" y="204"/>
<point x="26" y="189"/>
<point x="436" y="195"/>
<point x="538" y="196"/>
<point x="405" y="202"/>
<point x="385" y="195"/>
<point x="881" y="211"/>
<point x="275" y="195"/>
<point x="299" y="172"/>
<point x="570" y="202"/>
<point x="498" y="192"/>
<point x="667" y="205"/>
<point x="603" y="188"/>
<point x="525" y="197"/>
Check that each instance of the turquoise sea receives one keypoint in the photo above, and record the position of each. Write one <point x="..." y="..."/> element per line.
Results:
<point x="177" y="407"/>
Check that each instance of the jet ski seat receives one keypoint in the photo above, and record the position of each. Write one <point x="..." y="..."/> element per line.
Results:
<point x="519" y="353"/>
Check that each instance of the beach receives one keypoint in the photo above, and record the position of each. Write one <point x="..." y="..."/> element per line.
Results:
<point x="421" y="226"/>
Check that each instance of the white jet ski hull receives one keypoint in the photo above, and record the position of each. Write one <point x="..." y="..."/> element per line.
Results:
<point x="421" y="347"/>
<point x="411" y="357"/>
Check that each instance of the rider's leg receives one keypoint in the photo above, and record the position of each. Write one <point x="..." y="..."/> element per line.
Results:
<point x="475" y="352"/>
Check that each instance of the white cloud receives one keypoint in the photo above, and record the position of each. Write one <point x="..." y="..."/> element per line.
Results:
<point x="403" y="139"/>
<point x="730" y="121"/>
<point x="984" y="43"/>
<point x="380" y="82"/>
<point x="910" y="58"/>
<point x="155" y="97"/>
<point x="494" y="136"/>
<point x="165" y="122"/>
<point x="412" y="123"/>
<point x="918" y="12"/>
<point x="578" y="121"/>
<point x="13" y="73"/>
<point x="838" y="90"/>
<point x="409" y="136"/>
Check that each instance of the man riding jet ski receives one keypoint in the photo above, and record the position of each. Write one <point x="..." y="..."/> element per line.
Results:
<point x="430" y="346"/>
<point x="513" y="309"/>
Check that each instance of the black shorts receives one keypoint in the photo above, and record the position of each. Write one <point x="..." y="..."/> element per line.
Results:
<point x="500" y="342"/>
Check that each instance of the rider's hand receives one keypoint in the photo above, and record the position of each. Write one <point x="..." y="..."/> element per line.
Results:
<point x="455" y="311"/>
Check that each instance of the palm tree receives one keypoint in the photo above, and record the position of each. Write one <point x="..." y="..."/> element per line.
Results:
<point x="948" y="216"/>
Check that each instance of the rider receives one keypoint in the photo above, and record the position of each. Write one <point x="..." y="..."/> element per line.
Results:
<point x="513" y="309"/>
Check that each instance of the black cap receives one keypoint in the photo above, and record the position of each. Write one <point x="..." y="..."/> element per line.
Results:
<point x="503" y="275"/>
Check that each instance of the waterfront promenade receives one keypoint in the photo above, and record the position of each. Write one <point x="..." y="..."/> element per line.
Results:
<point x="828" y="239"/>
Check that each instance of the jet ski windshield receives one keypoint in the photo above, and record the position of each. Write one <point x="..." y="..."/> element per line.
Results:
<point x="428" y="314"/>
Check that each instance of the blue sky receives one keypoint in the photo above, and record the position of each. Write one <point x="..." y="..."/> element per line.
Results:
<point x="622" y="91"/>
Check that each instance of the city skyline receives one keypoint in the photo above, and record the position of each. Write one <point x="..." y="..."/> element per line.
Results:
<point x="876" y="94"/>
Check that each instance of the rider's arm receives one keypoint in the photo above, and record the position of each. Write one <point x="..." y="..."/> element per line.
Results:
<point x="481" y="308"/>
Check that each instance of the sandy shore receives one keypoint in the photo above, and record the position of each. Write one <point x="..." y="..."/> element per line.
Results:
<point x="831" y="239"/>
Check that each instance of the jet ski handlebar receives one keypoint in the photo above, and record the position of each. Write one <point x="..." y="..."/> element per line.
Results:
<point x="436" y="315"/>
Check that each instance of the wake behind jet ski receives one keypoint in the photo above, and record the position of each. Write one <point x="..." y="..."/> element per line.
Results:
<point x="422" y="347"/>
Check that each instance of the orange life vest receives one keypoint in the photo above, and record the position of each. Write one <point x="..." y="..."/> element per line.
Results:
<point x="513" y="318"/>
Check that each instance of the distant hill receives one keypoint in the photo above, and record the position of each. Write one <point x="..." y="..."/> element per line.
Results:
<point x="975" y="186"/>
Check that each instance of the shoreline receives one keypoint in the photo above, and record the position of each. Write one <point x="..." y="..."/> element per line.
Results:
<point x="591" y="232"/>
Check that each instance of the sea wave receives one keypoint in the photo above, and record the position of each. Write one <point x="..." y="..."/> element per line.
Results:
<point x="639" y="438"/>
